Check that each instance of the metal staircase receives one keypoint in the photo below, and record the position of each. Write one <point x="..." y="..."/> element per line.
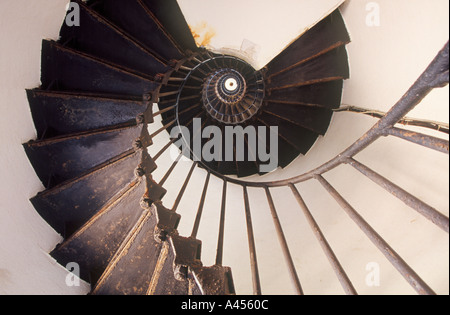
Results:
<point x="92" y="112"/>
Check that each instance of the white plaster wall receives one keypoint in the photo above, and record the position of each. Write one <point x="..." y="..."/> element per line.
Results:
<point x="25" y="239"/>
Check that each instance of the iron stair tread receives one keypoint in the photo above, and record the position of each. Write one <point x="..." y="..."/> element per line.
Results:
<point x="165" y="271"/>
<point x="184" y="115"/>
<point x="62" y="158"/>
<point x="69" y="205"/>
<point x="146" y="264"/>
<point x="134" y="17"/>
<point x="189" y="114"/>
<point x="287" y="153"/>
<point x="326" y="94"/>
<point x="96" y="35"/>
<point x="80" y="70"/>
<point x="213" y="280"/>
<point x="94" y="244"/>
<point x="287" y="150"/>
<point x="226" y="167"/>
<point x="131" y="268"/>
<point x="58" y="113"/>
<point x="67" y="69"/>
<point x="328" y="34"/>
<point x="302" y="139"/>
<point x="169" y="14"/>
<point x="248" y="166"/>
<point x="330" y="66"/>
<point x="315" y="119"/>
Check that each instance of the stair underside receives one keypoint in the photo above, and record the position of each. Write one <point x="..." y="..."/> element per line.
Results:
<point x="98" y="85"/>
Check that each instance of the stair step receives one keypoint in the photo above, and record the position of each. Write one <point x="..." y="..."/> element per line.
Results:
<point x="59" y="113"/>
<point x="99" y="37"/>
<point x="185" y="115"/>
<point x="71" y="204"/>
<point x="70" y="70"/>
<point x="330" y="66"/>
<point x="171" y="17"/>
<point x="93" y="246"/>
<point x="287" y="153"/>
<point x="325" y="35"/>
<point x="59" y="159"/>
<point x="163" y="280"/>
<point x="326" y="94"/>
<point x="134" y="17"/>
<point x="316" y="119"/>
<point x="214" y="280"/>
<point x="302" y="139"/>
<point x="131" y="269"/>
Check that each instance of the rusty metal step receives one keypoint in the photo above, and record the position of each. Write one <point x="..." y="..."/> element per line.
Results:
<point x="69" y="205"/>
<point x="95" y="243"/>
<point x="59" y="159"/>
<point x="326" y="35"/>
<point x="131" y="269"/>
<point x="170" y="16"/>
<point x="330" y="66"/>
<point x="302" y="139"/>
<point x="99" y="37"/>
<point x="65" y="69"/>
<point x="315" y="119"/>
<point x="60" y="113"/>
<point x="135" y="18"/>
<point x="170" y="278"/>
<point x="326" y="95"/>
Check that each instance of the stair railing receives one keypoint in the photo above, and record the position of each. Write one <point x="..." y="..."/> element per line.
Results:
<point x="435" y="76"/>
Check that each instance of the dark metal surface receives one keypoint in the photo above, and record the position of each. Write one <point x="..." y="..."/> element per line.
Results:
<point x="93" y="245"/>
<point x="327" y="95"/>
<point x="96" y="36"/>
<point x="59" y="113"/>
<point x="331" y="66"/>
<point x="65" y="69"/>
<point x="169" y="14"/>
<point x="134" y="17"/>
<point x="132" y="267"/>
<point x="56" y="160"/>
<point x="67" y="206"/>
<point x="327" y="35"/>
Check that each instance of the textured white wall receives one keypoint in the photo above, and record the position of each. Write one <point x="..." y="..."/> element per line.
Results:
<point x="25" y="239"/>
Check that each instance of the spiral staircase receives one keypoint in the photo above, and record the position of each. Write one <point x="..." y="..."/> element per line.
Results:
<point x="92" y="113"/>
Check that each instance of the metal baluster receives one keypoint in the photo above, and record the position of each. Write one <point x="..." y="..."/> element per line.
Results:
<point x="340" y="272"/>
<point x="284" y="245"/>
<point x="183" y="189"/>
<point x="430" y="142"/>
<point x="252" y="246"/>
<point x="406" y="271"/>
<point x="200" y="207"/>
<point x="219" y="256"/>
<point x="428" y="212"/>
